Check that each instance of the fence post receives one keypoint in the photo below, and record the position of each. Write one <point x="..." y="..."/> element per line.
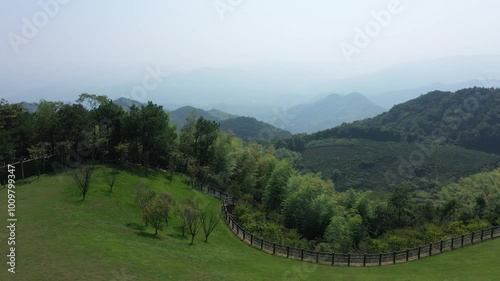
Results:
<point x="462" y="244"/>
<point x="301" y="254"/>
<point x="261" y="244"/>
<point x="251" y="239"/>
<point x="419" y="249"/>
<point x="407" y="254"/>
<point x="349" y="259"/>
<point x="287" y="251"/>
<point x="452" y="242"/>
<point x="394" y="257"/>
<point x="482" y="234"/>
<point x="472" y="238"/>
<point x="364" y="259"/>
<point x="441" y="246"/>
<point x="380" y="259"/>
<point x="237" y="230"/>
<point x="430" y="249"/>
<point x="274" y="248"/>
<point x="492" y="231"/>
<point x="244" y="234"/>
<point x="333" y="258"/>
<point x="317" y="256"/>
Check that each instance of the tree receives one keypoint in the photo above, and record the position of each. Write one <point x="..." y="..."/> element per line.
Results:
<point x="122" y="151"/>
<point x="193" y="217"/>
<point x="110" y="175"/>
<point x="309" y="205"/>
<point x="449" y="210"/>
<point x="143" y="197"/>
<point x="46" y="123"/>
<point x="337" y="233"/>
<point x="16" y="131"/>
<point x="149" y="134"/>
<point x="63" y="148"/>
<point x="38" y="153"/>
<point x="275" y="192"/>
<point x="74" y="124"/>
<point x="157" y="211"/>
<point x="83" y="177"/>
<point x="193" y="170"/>
<point x="186" y="144"/>
<point x="180" y="215"/>
<point x="209" y="222"/>
<point x="399" y="202"/>
<point x="224" y="162"/>
<point x="205" y="135"/>
<point x="480" y="207"/>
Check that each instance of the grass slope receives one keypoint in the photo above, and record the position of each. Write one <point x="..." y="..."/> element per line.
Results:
<point x="362" y="164"/>
<point x="61" y="238"/>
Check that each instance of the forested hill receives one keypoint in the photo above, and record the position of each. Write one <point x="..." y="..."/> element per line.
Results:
<point x="468" y="117"/>
<point x="249" y="128"/>
<point x="246" y="128"/>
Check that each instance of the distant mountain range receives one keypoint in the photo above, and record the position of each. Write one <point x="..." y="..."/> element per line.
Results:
<point x="323" y="113"/>
<point x="329" y="112"/>
<point x="246" y="128"/>
<point x="391" y="98"/>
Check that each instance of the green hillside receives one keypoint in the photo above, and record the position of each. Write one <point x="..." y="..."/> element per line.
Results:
<point x="367" y="164"/>
<point x="179" y="115"/>
<point x="468" y="117"/>
<point x="249" y="128"/>
<point x="60" y="237"/>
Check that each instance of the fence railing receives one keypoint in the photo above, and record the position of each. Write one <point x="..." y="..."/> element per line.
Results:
<point x="346" y="259"/>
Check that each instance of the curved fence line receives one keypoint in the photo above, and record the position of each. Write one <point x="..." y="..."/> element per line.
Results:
<point x="346" y="259"/>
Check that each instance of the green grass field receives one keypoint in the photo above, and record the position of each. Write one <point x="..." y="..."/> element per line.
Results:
<point x="61" y="238"/>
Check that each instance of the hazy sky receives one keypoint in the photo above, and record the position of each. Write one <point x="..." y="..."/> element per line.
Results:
<point x="78" y="36"/>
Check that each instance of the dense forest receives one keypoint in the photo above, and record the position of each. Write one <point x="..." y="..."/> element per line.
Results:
<point x="275" y="199"/>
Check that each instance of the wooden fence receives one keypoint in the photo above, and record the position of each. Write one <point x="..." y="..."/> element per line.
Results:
<point x="346" y="259"/>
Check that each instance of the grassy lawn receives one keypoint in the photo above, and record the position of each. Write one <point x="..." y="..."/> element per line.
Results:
<point x="59" y="237"/>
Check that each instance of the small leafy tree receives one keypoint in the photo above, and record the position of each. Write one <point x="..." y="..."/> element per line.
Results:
<point x="110" y="175"/>
<point x="192" y="217"/>
<point x="83" y="177"/>
<point x="143" y="197"/>
<point x="209" y="222"/>
<point x="157" y="211"/>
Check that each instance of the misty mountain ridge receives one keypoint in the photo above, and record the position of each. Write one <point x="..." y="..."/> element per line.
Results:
<point x="329" y="112"/>
<point x="280" y="85"/>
